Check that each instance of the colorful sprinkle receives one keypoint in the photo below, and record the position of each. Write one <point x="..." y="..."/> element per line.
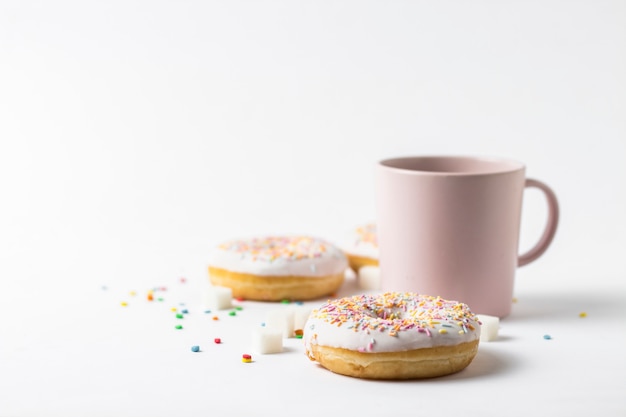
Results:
<point x="179" y="316"/>
<point x="217" y="340"/>
<point x="396" y="312"/>
<point x="245" y="358"/>
<point x="275" y="248"/>
<point x="582" y="315"/>
<point x="195" y="348"/>
<point x="299" y="333"/>
<point x="232" y="313"/>
<point x="178" y="327"/>
<point x="367" y="234"/>
<point x="124" y="304"/>
<point x="547" y="337"/>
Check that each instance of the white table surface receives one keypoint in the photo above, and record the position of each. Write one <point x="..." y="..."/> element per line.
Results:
<point x="87" y="354"/>
<point x="134" y="135"/>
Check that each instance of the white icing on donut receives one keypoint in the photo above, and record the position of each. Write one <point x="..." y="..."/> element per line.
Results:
<point x="390" y="322"/>
<point x="280" y="256"/>
<point x="362" y="241"/>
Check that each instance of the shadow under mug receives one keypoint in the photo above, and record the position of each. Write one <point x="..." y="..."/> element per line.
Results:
<point x="449" y="226"/>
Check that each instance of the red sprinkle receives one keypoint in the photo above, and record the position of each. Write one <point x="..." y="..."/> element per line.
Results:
<point x="246" y="356"/>
<point x="217" y="340"/>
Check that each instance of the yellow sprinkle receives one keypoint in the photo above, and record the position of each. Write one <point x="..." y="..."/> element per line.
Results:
<point x="443" y="331"/>
<point x="173" y="309"/>
<point x="582" y="315"/>
<point x="124" y="303"/>
<point x="133" y="293"/>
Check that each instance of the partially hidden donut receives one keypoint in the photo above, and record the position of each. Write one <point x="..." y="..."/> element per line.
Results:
<point x="274" y="268"/>
<point x="361" y="246"/>
<point x="392" y="336"/>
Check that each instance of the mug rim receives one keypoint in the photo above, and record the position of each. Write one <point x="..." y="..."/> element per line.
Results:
<point x="482" y="165"/>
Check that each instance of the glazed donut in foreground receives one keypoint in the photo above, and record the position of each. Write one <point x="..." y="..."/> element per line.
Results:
<point x="275" y="268"/>
<point x="392" y="336"/>
<point x="361" y="246"/>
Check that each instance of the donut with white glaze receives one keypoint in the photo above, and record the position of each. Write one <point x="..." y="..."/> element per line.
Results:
<point x="361" y="246"/>
<point x="274" y="268"/>
<point x="392" y="336"/>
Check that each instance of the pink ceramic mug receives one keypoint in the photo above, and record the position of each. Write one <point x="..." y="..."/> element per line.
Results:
<point x="449" y="226"/>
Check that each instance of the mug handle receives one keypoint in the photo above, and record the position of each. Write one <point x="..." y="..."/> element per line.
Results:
<point x="550" y="230"/>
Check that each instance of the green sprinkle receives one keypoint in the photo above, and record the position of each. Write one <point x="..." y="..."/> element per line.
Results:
<point x="179" y="316"/>
<point x="238" y="308"/>
<point x="178" y="327"/>
<point x="285" y="301"/>
<point x="232" y="313"/>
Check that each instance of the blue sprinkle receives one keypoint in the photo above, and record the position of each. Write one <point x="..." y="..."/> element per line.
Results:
<point x="262" y="324"/>
<point x="547" y="336"/>
<point x="185" y="311"/>
<point x="207" y="311"/>
<point x="195" y="348"/>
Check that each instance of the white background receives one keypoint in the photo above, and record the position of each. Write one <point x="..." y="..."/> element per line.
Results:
<point x="134" y="135"/>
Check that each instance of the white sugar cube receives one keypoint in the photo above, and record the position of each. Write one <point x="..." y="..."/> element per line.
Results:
<point x="218" y="298"/>
<point x="489" y="328"/>
<point x="369" y="278"/>
<point x="267" y="340"/>
<point x="300" y="316"/>
<point x="282" y="319"/>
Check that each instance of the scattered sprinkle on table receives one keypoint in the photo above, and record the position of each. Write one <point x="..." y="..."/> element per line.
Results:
<point x="582" y="315"/>
<point x="178" y="327"/>
<point x="124" y="304"/>
<point x="179" y="316"/>
<point x="217" y="340"/>
<point x="215" y="318"/>
<point x="245" y="358"/>
<point x="547" y="337"/>
<point x="195" y="348"/>
<point x="232" y="313"/>
<point x="185" y="311"/>
<point x="299" y="333"/>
